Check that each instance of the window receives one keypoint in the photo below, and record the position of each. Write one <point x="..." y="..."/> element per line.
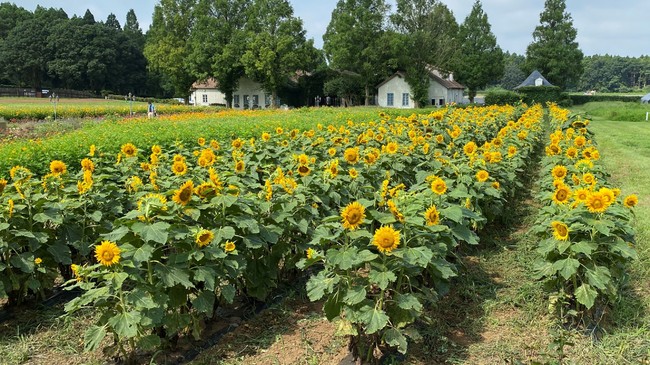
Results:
<point x="442" y="102"/>
<point x="256" y="101"/>
<point x="389" y="99"/>
<point x="205" y="98"/>
<point x="433" y="102"/>
<point x="236" y="101"/>
<point x="405" y="99"/>
<point x="267" y="100"/>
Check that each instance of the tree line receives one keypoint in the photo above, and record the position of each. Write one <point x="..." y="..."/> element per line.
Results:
<point x="365" y="43"/>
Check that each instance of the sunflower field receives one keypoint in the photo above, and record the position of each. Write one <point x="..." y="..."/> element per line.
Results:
<point x="158" y="234"/>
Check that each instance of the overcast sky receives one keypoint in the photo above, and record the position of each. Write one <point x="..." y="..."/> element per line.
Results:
<point x="604" y="26"/>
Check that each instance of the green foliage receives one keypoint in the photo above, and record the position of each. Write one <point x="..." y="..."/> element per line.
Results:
<point x="513" y="73"/>
<point x="481" y="60"/>
<point x="501" y="97"/>
<point x="542" y="94"/>
<point x="554" y="50"/>
<point x="605" y="73"/>
<point x="584" y="99"/>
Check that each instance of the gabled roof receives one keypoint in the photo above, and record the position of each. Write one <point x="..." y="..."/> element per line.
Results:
<point x="209" y="83"/>
<point x="530" y="80"/>
<point x="433" y="74"/>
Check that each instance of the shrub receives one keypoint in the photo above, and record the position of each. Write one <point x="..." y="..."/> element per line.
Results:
<point x="501" y="97"/>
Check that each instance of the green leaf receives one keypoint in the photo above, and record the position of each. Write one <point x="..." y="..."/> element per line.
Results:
<point x="343" y="257"/>
<point x="445" y="268"/>
<point x="116" y="234"/>
<point x="93" y="337"/>
<point x="317" y="285"/>
<point x="366" y="256"/>
<point x="359" y="233"/>
<point x="24" y="261"/>
<point x="355" y="295"/>
<point x="546" y="246"/>
<point x="585" y="247"/>
<point x="206" y="275"/>
<point x="599" y="277"/>
<point x="157" y="232"/>
<point x="381" y="278"/>
<point x="224" y="233"/>
<point x="374" y="319"/>
<point x="228" y="293"/>
<point x="562" y="246"/>
<point x="141" y="299"/>
<point x="463" y="233"/>
<point x="417" y="256"/>
<point x="395" y="338"/>
<point x="625" y="250"/>
<point x="408" y="301"/>
<point x="567" y="267"/>
<point x="172" y="276"/>
<point x="125" y="324"/>
<point x="61" y="253"/>
<point x="204" y="302"/>
<point x="586" y="295"/>
<point x="332" y="307"/>
<point x="453" y="213"/>
<point x="149" y="342"/>
<point x="142" y="253"/>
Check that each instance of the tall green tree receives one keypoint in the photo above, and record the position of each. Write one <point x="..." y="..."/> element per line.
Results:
<point x="112" y="22"/>
<point x="481" y="59"/>
<point x="167" y="48"/>
<point x="275" y="45"/>
<point x="353" y="41"/>
<point x="554" y="51"/>
<point x="219" y="43"/>
<point x="513" y="71"/>
<point x="11" y="16"/>
<point x="429" y="38"/>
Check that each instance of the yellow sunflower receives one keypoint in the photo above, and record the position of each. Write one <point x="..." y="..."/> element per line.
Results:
<point x="469" y="148"/>
<point x="482" y="176"/>
<point x="353" y="215"/>
<point x="579" y="141"/>
<point x="237" y="143"/>
<point x="351" y="155"/>
<point x="559" y="172"/>
<point x="184" y="194"/>
<point x="432" y="216"/>
<point x="512" y="150"/>
<point x="581" y="195"/>
<point x="589" y="178"/>
<point x="386" y="239"/>
<point x="229" y="246"/>
<point x="3" y="184"/>
<point x="571" y="152"/>
<point x="496" y="185"/>
<point x="129" y="150"/>
<point x="58" y="167"/>
<point x="560" y="231"/>
<point x="201" y="141"/>
<point x="631" y="200"/>
<point x="439" y="186"/>
<point x="392" y="147"/>
<point x="204" y="237"/>
<point x="353" y="173"/>
<point x="38" y="261"/>
<point x="596" y="203"/>
<point x="608" y="195"/>
<point x="179" y="158"/>
<point x="240" y="166"/>
<point x="107" y="253"/>
<point x="204" y="190"/>
<point x="561" y="194"/>
<point x="266" y="136"/>
<point x="179" y="168"/>
<point x="304" y="170"/>
<point x="156" y="150"/>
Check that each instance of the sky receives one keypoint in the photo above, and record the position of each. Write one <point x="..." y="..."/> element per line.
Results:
<point x="604" y="26"/>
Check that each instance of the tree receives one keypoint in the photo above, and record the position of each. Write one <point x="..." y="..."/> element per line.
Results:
<point x="88" y="17"/>
<point x="554" y="51"/>
<point x="276" y="47"/>
<point x="11" y="16"/>
<point x="513" y="73"/>
<point x="481" y="59"/>
<point x="167" y="48"/>
<point x="112" y="22"/>
<point x="429" y="32"/>
<point x="219" y="43"/>
<point x="352" y="41"/>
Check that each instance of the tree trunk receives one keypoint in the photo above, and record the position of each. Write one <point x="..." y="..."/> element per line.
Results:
<point x="367" y="101"/>
<point x="228" y="99"/>
<point x="471" y="94"/>
<point x="274" y="98"/>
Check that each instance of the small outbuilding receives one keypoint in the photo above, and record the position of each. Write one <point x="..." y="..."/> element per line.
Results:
<point x="534" y="79"/>
<point x="645" y="99"/>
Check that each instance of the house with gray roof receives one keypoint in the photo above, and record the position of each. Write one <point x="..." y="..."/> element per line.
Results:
<point x="535" y="79"/>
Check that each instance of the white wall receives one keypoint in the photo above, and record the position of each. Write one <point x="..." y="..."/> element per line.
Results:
<point x="214" y="97"/>
<point x="252" y="89"/>
<point x="396" y="85"/>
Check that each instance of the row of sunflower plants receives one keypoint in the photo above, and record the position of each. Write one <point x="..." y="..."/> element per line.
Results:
<point x="584" y="226"/>
<point x="158" y="240"/>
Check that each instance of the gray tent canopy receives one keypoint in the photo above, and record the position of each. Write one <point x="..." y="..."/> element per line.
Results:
<point x="532" y="80"/>
<point x="645" y="99"/>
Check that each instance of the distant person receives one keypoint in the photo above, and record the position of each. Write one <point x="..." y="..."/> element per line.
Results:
<point x="151" y="110"/>
<point x="328" y="101"/>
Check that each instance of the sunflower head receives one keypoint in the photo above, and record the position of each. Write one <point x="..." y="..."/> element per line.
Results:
<point x="156" y="150"/>
<point x="57" y="167"/>
<point x="392" y="147"/>
<point x="439" y="186"/>
<point x="482" y="176"/>
<point x="351" y="155"/>
<point x="184" y="194"/>
<point x="237" y="143"/>
<point x="353" y="173"/>
<point x="560" y="231"/>
<point x="561" y="194"/>
<point x="201" y="141"/>
<point x="229" y="246"/>
<point x="204" y="237"/>
<point x="129" y="150"/>
<point x="432" y="216"/>
<point x="469" y="148"/>
<point x="107" y="253"/>
<point x="179" y="168"/>
<point x="386" y="239"/>
<point x="596" y="203"/>
<point x="266" y="136"/>
<point x="304" y="170"/>
<point x="353" y="215"/>
<point x="3" y="184"/>
<point x="581" y="195"/>
<point x="559" y="172"/>
<point x="240" y="166"/>
<point x="631" y="200"/>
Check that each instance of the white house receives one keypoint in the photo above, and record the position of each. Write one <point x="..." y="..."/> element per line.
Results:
<point x="249" y="94"/>
<point x="395" y="92"/>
